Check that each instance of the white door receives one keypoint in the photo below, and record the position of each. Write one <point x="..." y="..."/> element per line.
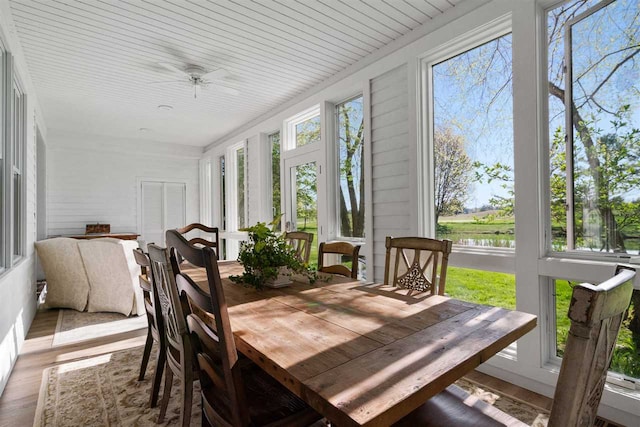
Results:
<point x="162" y="208"/>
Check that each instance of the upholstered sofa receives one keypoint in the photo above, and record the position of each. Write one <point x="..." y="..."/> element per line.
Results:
<point x="92" y="275"/>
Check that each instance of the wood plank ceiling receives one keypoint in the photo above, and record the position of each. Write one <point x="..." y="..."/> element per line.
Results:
<point x="94" y="63"/>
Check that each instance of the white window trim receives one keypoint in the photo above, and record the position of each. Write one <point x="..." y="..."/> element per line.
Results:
<point x="288" y="135"/>
<point x="21" y="135"/>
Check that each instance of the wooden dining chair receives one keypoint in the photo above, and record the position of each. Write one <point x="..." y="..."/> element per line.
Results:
<point x="179" y="355"/>
<point x="235" y="391"/>
<point x="596" y="313"/>
<point x="207" y="236"/>
<point x="341" y="249"/>
<point x="417" y="263"/>
<point x="155" y="325"/>
<point x="300" y="241"/>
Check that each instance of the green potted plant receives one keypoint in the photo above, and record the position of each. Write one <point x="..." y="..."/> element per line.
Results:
<point x="268" y="260"/>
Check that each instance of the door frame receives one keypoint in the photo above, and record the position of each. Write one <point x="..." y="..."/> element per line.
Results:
<point x="140" y="181"/>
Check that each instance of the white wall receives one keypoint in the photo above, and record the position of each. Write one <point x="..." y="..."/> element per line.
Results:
<point x="17" y="285"/>
<point x="93" y="179"/>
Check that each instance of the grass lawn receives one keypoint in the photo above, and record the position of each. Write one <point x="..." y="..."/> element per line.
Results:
<point x="499" y="289"/>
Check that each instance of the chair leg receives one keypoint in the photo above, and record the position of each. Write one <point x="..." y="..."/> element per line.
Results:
<point x="157" y="378"/>
<point x="145" y="355"/>
<point x="187" y="394"/>
<point x="166" y="394"/>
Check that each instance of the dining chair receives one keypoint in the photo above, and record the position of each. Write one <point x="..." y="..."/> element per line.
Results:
<point x="155" y="325"/>
<point x="199" y="240"/>
<point x="596" y="313"/>
<point x="179" y="354"/>
<point x="341" y="249"/>
<point x="417" y="263"/>
<point x="234" y="390"/>
<point x="300" y="241"/>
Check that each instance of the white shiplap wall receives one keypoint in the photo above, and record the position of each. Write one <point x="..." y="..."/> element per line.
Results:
<point x="94" y="179"/>
<point x="390" y="160"/>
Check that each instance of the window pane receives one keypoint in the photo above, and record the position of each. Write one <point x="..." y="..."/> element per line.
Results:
<point x="223" y="193"/>
<point x="308" y="132"/>
<point x="473" y="146"/>
<point x="482" y="287"/>
<point x="240" y="188"/>
<point x="274" y="143"/>
<point x="595" y="176"/>
<point x="351" y="168"/>
<point x="17" y="214"/>
<point x="304" y="196"/>
<point x="626" y="356"/>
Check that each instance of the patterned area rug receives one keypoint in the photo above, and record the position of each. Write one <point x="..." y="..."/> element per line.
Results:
<point x="104" y="391"/>
<point x="75" y="326"/>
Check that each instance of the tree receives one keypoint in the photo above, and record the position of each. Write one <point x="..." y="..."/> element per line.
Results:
<point x="350" y="147"/>
<point x="453" y="169"/>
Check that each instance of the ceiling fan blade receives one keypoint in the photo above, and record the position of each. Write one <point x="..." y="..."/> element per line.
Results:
<point x="173" y="68"/>
<point x="216" y="74"/>
<point x="225" y="89"/>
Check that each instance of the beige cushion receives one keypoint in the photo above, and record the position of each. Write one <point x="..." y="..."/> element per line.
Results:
<point x="109" y="278"/>
<point x="67" y="283"/>
<point x="134" y="271"/>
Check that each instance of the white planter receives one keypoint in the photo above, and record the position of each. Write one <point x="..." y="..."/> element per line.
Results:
<point x="283" y="279"/>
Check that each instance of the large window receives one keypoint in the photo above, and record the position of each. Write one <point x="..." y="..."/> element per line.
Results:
<point x="594" y="117"/>
<point x="594" y="149"/>
<point x="12" y="168"/>
<point x="350" y="137"/>
<point x="472" y="139"/>
<point x="276" y="193"/>
<point x="240" y="188"/>
<point x="18" y="140"/>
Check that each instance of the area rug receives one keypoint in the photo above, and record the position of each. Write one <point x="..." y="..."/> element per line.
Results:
<point x="75" y="326"/>
<point x="104" y="391"/>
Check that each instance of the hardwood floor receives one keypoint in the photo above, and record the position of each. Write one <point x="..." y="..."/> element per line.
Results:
<point x="20" y="397"/>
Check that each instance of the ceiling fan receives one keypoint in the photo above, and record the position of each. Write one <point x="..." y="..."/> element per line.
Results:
<point x="199" y="77"/>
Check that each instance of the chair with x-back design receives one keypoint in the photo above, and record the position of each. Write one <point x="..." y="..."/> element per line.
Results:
<point x="301" y="242"/>
<point x="417" y="263"/>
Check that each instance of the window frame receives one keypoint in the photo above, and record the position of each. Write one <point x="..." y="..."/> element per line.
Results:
<point x="483" y="258"/>
<point x="17" y="143"/>
<point x="288" y="134"/>
<point x="334" y="184"/>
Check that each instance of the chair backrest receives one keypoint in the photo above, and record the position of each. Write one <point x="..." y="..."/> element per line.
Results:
<point x="596" y="313"/>
<point x="199" y="240"/>
<point x="175" y="325"/>
<point x="301" y="242"/>
<point x="151" y="301"/>
<point x="415" y="263"/>
<point x="220" y="378"/>
<point x="188" y="291"/>
<point x="339" y="248"/>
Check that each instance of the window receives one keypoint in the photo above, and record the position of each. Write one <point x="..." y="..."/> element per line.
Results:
<point x="594" y="150"/>
<point x="303" y="130"/>
<point x="18" y="141"/>
<point x="594" y="117"/>
<point x="223" y="207"/>
<point x="276" y="202"/>
<point x="240" y="188"/>
<point x="472" y="139"/>
<point x="308" y="132"/>
<point x="350" y="147"/>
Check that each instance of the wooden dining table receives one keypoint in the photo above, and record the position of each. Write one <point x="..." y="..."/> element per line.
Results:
<point x="363" y="354"/>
